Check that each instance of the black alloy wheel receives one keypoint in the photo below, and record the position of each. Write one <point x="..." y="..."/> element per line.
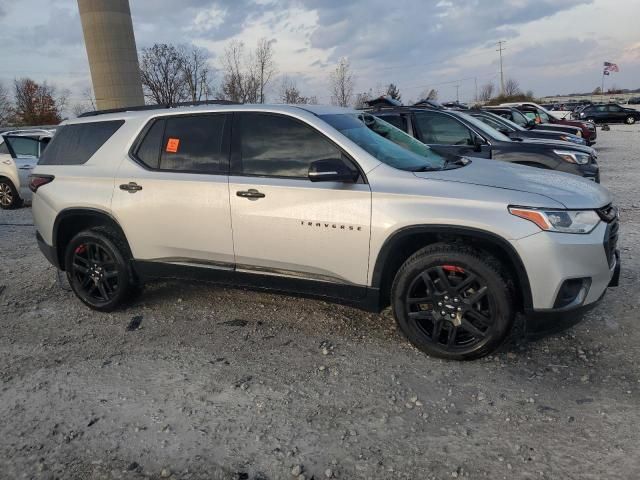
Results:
<point x="453" y="302"/>
<point x="97" y="269"/>
<point x="452" y="306"/>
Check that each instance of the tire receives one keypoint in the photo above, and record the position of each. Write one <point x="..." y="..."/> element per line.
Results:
<point x="469" y="304"/>
<point x="98" y="269"/>
<point x="9" y="196"/>
<point x="630" y="120"/>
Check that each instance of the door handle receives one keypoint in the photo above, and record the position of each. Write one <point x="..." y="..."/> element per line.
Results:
<point x="252" y="193"/>
<point x="26" y="167"/>
<point x="131" y="187"/>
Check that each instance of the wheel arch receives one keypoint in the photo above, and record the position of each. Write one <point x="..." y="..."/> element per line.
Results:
<point x="71" y="221"/>
<point x="406" y="241"/>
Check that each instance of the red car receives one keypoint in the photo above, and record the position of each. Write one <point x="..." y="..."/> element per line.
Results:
<point x="541" y="115"/>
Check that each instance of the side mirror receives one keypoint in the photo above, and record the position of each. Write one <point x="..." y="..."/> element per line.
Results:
<point x="332" y="170"/>
<point x="477" y="143"/>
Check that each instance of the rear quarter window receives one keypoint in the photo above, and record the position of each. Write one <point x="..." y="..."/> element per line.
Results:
<point x="75" y="144"/>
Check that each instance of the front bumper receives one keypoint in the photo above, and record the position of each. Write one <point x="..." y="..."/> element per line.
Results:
<point x="551" y="259"/>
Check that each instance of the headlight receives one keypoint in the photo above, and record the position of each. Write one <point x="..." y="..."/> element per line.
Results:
<point x="573" y="157"/>
<point x="579" y="133"/>
<point x="563" y="221"/>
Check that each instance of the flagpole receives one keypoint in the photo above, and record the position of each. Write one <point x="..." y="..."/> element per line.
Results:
<point x="602" y="91"/>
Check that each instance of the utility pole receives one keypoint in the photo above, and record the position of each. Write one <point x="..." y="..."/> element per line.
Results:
<point x="476" y="81"/>
<point x="458" y="93"/>
<point x="500" y="49"/>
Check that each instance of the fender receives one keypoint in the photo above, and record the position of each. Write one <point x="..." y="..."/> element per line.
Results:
<point x="98" y="215"/>
<point x="502" y="244"/>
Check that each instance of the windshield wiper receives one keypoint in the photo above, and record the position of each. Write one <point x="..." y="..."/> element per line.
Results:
<point x="425" y="168"/>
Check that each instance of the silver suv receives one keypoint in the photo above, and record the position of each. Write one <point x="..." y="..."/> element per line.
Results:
<point x="309" y="200"/>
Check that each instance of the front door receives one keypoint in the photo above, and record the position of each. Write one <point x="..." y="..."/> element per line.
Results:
<point x="284" y="224"/>
<point x="171" y="197"/>
<point x="25" y="152"/>
<point x="448" y="135"/>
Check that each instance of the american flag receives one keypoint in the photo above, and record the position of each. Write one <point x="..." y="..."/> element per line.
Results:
<point x="611" y="67"/>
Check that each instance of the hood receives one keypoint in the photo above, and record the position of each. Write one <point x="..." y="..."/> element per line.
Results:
<point x="571" y="191"/>
<point x="561" y="145"/>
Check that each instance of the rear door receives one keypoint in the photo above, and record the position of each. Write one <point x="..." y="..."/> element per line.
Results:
<point x="284" y="224"/>
<point x="171" y="193"/>
<point x="447" y="134"/>
<point x="25" y="152"/>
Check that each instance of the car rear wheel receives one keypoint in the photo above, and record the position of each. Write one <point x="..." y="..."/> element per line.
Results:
<point x="453" y="302"/>
<point x="98" y="270"/>
<point x="9" y="197"/>
<point x="631" y="120"/>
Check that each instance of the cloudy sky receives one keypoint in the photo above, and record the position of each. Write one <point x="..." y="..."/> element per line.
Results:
<point x="553" y="46"/>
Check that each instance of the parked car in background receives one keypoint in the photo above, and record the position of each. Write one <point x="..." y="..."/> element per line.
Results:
<point x="515" y="131"/>
<point x="608" y="113"/>
<point x="324" y="206"/>
<point x="19" y="153"/>
<point x="540" y="115"/>
<point x="458" y="133"/>
<point x="516" y="116"/>
<point x="634" y="101"/>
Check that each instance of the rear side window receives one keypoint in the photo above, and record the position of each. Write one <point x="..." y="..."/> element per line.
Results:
<point x="188" y="143"/>
<point x="75" y="144"/>
<point x="279" y="146"/>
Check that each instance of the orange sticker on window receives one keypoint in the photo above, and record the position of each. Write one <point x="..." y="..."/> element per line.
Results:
<point x="172" y="145"/>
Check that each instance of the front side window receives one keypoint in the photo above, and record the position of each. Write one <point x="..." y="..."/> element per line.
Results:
<point x="280" y="146"/>
<point x="614" y="108"/>
<point x="439" y="129"/>
<point x="187" y="143"/>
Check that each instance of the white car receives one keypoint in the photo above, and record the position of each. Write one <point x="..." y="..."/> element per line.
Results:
<point x="19" y="153"/>
<point x="559" y="114"/>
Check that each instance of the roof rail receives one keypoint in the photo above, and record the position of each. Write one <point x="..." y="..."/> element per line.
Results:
<point x="156" y="107"/>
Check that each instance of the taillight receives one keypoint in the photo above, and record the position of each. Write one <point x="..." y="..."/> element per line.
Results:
<point x="36" y="181"/>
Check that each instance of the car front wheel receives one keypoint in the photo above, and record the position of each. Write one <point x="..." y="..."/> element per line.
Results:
<point x="9" y="197"/>
<point x="98" y="270"/>
<point x="453" y="302"/>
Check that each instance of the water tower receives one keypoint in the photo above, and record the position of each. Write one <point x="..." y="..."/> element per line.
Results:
<point x="111" y="48"/>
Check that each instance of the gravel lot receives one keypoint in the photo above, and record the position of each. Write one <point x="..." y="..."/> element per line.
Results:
<point x="219" y="383"/>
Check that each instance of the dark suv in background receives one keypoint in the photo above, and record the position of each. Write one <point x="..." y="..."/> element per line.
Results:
<point x="608" y="113"/>
<point x="458" y="133"/>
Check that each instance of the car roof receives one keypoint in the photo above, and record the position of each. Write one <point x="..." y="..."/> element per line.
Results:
<point x="153" y="111"/>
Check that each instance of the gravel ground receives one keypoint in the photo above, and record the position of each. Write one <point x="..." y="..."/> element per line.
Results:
<point x="218" y="383"/>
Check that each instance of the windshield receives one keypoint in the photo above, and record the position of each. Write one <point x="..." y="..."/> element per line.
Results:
<point x="385" y="142"/>
<point x="497" y="122"/>
<point x="484" y="128"/>
<point x="509" y="123"/>
<point x="519" y="118"/>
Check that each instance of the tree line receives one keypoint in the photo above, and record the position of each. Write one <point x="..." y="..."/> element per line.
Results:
<point x="173" y="74"/>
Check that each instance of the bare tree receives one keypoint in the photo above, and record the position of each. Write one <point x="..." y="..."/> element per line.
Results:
<point x="430" y="94"/>
<point x="35" y="103"/>
<point x="511" y="88"/>
<point x="233" y="81"/>
<point x="195" y="72"/>
<point x="342" y="84"/>
<point x="162" y="74"/>
<point x="486" y="92"/>
<point x="264" y="66"/>
<point x="87" y="104"/>
<point x="290" y="94"/>
<point x="6" y="107"/>
<point x="362" y="99"/>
